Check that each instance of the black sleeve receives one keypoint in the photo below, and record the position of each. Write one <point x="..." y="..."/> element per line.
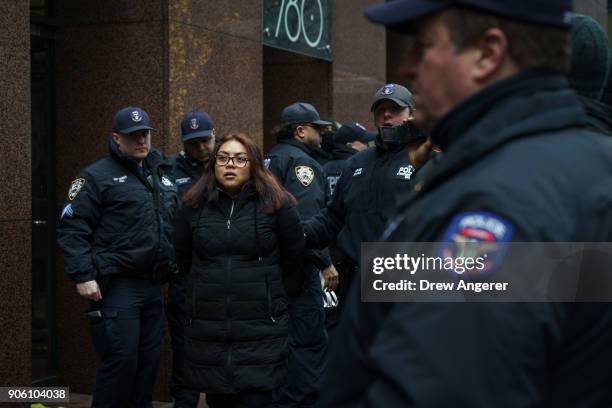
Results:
<point x="322" y="229"/>
<point x="182" y="239"/>
<point x="432" y="354"/>
<point x="292" y="247"/>
<point x="307" y="202"/>
<point x="80" y="215"/>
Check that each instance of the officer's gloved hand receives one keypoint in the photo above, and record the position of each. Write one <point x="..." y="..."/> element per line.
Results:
<point x="89" y="290"/>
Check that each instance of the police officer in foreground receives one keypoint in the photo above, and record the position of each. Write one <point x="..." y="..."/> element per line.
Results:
<point x="364" y="197"/>
<point x="518" y="165"/>
<point x="293" y="162"/>
<point x="198" y="135"/>
<point x="115" y="234"/>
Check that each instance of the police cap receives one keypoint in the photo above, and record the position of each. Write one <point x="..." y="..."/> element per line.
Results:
<point x="394" y="13"/>
<point x="196" y="124"/>
<point x="393" y="92"/>
<point x="131" y="119"/>
<point x="302" y="112"/>
<point x="353" y="131"/>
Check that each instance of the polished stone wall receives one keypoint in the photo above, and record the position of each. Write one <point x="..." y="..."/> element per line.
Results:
<point x="15" y="195"/>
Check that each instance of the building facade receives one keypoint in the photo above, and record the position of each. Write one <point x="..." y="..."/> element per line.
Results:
<point x="68" y="65"/>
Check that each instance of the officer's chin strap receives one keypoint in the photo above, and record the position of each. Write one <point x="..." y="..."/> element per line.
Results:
<point x="393" y="136"/>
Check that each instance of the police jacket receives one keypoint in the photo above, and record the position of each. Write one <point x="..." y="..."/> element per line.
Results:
<point x="186" y="171"/>
<point x="333" y="168"/>
<point x="599" y="115"/>
<point x="239" y="263"/>
<point x="517" y="155"/>
<point x="296" y="167"/>
<point x="363" y="201"/>
<point x="117" y="219"/>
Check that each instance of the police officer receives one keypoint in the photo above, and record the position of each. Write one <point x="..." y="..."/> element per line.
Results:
<point x="198" y="135"/>
<point x="364" y="196"/>
<point x="518" y="165"/>
<point x="293" y="162"/>
<point x="348" y="140"/>
<point x="115" y="234"/>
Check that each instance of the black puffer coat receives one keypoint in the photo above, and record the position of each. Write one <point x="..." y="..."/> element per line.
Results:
<point x="240" y="262"/>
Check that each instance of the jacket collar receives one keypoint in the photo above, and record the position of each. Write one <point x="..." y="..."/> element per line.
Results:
<point x="153" y="159"/>
<point x="306" y="149"/>
<point x="527" y="103"/>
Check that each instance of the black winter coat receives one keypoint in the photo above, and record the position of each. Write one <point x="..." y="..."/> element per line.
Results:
<point x="118" y="219"/>
<point x="295" y="165"/>
<point x="240" y="263"/>
<point x="518" y="152"/>
<point x="363" y="201"/>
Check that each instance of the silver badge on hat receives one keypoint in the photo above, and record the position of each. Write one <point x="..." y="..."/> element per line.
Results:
<point x="387" y="90"/>
<point x="136" y="116"/>
<point x="193" y="123"/>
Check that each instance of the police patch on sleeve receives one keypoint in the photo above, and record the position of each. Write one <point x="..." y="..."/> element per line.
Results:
<point x="305" y="175"/>
<point x="75" y="188"/>
<point x="477" y="235"/>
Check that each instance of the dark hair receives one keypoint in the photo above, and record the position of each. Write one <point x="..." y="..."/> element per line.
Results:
<point x="271" y="193"/>
<point x="529" y="45"/>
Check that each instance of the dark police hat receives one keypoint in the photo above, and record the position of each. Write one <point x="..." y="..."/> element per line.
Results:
<point x="393" y="92"/>
<point x="557" y="13"/>
<point x="302" y="112"/>
<point x="131" y="119"/>
<point x="196" y="124"/>
<point x="353" y="131"/>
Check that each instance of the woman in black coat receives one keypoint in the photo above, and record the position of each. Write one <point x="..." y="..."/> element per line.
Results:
<point x="240" y="242"/>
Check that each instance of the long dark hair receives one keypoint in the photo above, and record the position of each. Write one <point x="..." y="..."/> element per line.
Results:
<point x="271" y="193"/>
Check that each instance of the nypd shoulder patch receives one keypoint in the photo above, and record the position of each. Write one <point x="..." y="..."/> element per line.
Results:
<point x="305" y="175"/>
<point x="75" y="188"/>
<point x="477" y="234"/>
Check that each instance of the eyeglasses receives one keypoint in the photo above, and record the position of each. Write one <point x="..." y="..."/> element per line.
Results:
<point x="238" y="161"/>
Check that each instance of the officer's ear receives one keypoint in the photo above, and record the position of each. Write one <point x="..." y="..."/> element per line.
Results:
<point x="490" y="57"/>
<point x="298" y="132"/>
<point x="116" y="138"/>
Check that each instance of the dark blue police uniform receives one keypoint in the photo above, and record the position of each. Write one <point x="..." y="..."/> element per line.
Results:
<point x="363" y="200"/>
<point x="185" y="173"/>
<point x="517" y="154"/>
<point x="293" y="163"/>
<point x="116" y="228"/>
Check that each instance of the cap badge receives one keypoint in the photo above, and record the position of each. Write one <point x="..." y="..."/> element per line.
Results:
<point x="136" y="116"/>
<point x="387" y="90"/>
<point x="193" y="123"/>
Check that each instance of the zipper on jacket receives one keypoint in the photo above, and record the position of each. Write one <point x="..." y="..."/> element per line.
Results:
<point x="228" y="300"/>
<point x="269" y="296"/>
<point x="193" y="305"/>
<point x="229" y="219"/>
